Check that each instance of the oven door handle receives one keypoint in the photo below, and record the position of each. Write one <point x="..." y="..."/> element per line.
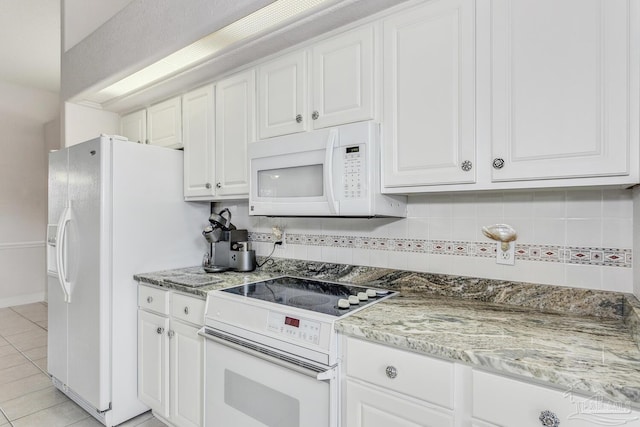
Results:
<point x="317" y="372"/>
<point x="328" y="375"/>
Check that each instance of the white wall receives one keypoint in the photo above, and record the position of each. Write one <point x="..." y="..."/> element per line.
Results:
<point x="81" y="17"/>
<point x="82" y="123"/>
<point x="23" y="192"/>
<point x="578" y="229"/>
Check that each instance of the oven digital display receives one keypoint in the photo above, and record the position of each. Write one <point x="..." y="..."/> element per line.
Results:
<point x="355" y="149"/>
<point x="292" y="322"/>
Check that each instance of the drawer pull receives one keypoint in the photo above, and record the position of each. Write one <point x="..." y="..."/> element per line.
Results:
<point x="549" y="419"/>
<point x="170" y="334"/>
<point x="186" y="310"/>
<point x="149" y="299"/>
<point x="391" y="372"/>
<point x="160" y="330"/>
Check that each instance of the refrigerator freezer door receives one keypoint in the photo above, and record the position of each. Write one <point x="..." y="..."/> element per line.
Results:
<point x="57" y="317"/>
<point x="88" y="273"/>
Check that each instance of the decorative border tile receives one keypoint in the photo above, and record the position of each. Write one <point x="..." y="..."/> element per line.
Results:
<point x="610" y="257"/>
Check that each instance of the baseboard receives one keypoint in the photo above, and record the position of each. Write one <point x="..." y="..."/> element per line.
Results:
<point x="22" y="299"/>
<point x="21" y="245"/>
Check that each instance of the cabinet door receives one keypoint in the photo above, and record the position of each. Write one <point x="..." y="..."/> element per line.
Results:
<point x="134" y="126"/>
<point x="198" y="139"/>
<point x="343" y="79"/>
<point x="560" y="96"/>
<point x="235" y="128"/>
<point x="282" y="96"/>
<point x="429" y="132"/>
<point x="369" y="407"/>
<point x="153" y="361"/>
<point x="187" y="387"/>
<point x="165" y="123"/>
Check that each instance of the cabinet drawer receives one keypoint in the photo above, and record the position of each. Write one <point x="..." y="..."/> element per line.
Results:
<point x="508" y="402"/>
<point x="416" y="375"/>
<point x="369" y="407"/>
<point x="150" y="298"/>
<point x="189" y="309"/>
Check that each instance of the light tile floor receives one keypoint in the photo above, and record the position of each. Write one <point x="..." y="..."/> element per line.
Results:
<point x="27" y="397"/>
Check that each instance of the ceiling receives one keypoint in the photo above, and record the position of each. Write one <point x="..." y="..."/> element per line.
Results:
<point x="30" y="48"/>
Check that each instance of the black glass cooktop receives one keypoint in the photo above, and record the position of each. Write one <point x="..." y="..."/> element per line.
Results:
<point x="307" y="294"/>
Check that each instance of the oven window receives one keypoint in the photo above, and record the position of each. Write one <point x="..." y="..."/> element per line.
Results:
<point x="299" y="181"/>
<point x="264" y="404"/>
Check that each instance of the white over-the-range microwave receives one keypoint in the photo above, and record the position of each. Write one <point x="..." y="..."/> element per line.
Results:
<point x="327" y="172"/>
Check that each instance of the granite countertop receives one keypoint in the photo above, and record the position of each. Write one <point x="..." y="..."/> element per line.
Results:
<point x="196" y="281"/>
<point x="570" y="338"/>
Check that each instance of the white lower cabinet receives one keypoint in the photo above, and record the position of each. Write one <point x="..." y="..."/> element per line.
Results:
<point x="500" y="401"/>
<point x="170" y="355"/>
<point x="391" y="387"/>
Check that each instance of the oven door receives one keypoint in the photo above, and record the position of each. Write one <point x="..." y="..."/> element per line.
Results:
<point x="248" y="387"/>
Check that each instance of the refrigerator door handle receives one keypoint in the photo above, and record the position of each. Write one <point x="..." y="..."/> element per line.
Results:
<point x="65" y="218"/>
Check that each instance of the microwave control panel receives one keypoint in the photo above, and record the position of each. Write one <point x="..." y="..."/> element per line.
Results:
<point x="354" y="161"/>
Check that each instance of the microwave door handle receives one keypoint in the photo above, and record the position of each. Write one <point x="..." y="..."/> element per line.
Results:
<point x="328" y="176"/>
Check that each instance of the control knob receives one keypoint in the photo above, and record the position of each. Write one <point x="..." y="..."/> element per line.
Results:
<point x="362" y="296"/>
<point x="371" y="293"/>
<point x="353" y="300"/>
<point x="343" y="303"/>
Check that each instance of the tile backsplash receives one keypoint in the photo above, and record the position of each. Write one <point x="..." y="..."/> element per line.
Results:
<point x="579" y="238"/>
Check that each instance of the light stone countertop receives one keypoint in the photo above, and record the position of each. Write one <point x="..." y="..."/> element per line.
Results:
<point x="568" y="338"/>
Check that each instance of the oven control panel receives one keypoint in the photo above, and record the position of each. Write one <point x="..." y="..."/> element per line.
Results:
<point x="296" y="328"/>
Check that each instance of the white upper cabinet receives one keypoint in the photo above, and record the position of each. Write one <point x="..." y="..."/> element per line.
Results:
<point x="281" y="95"/>
<point x="560" y="88"/>
<point x="343" y="78"/>
<point x="164" y="122"/>
<point x="134" y="126"/>
<point x="199" y="143"/>
<point x="429" y="95"/>
<point x="235" y="129"/>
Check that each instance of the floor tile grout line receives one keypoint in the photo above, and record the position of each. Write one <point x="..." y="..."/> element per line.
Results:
<point x="25" y="317"/>
<point x="5" y="416"/>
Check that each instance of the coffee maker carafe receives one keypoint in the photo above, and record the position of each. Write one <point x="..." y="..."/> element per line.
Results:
<point x="231" y="247"/>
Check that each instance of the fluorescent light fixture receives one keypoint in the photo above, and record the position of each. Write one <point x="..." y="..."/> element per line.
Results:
<point x="263" y="19"/>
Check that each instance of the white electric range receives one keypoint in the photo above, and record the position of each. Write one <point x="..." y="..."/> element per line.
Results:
<point x="272" y="351"/>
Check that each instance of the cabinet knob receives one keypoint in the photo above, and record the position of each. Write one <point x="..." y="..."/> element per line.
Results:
<point x="391" y="372"/>
<point x="171" y="333"/>
<point x="218" y="185"/>
<point x="207" y="186"/>
<point x="146" y="141"/>
<point x="149" y="299"/>
<point x="160" y="330"/>
<point x="315" y="115"/>
<point x="498" y="163"/>
<point x="466" y="166"/>
<point x="549" y="419"/>
<point x="299" y="118"/>
<point x="186" y="310"/>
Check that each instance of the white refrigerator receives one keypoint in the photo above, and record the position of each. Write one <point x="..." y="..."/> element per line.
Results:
<point x="116" y="208"/>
